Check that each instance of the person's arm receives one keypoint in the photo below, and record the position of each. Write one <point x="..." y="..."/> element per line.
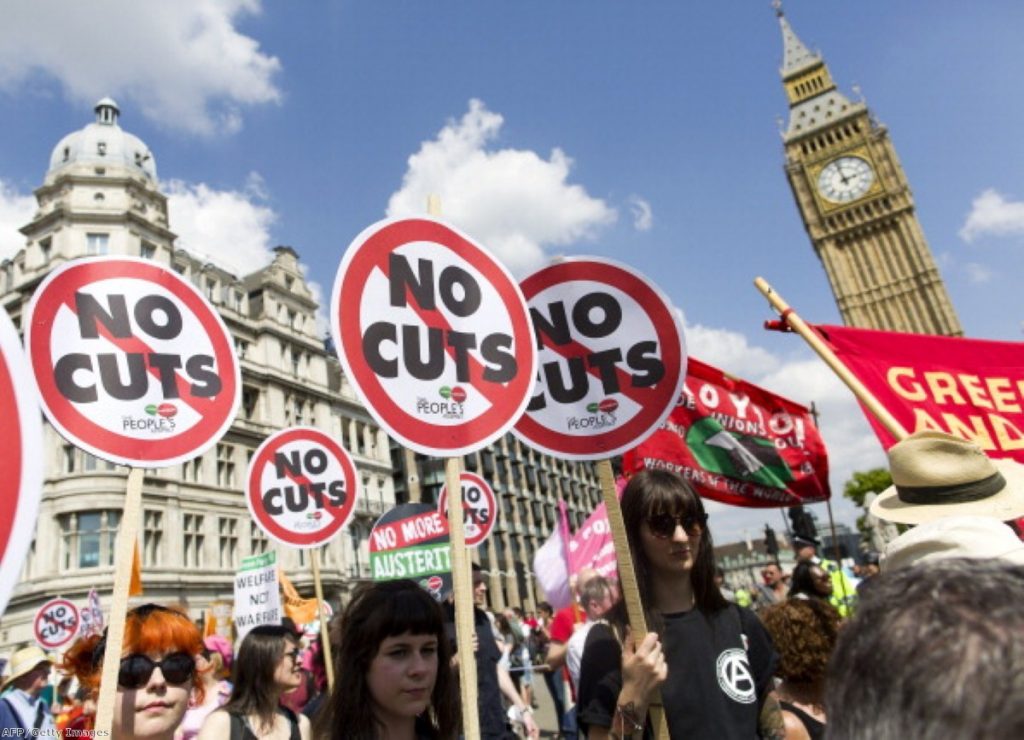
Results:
<point x="215" y="727"/>
<point x="525" y="711"/>
<point x="556" y="655"/>
<point x="643" y="671"/>
<point x="771" y="725"/>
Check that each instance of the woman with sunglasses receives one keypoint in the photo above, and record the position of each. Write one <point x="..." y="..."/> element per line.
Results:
<point x="396" y="682"/>
<point x="711" y="660"/>
<point x="266" y="667"/>
<point x="157" y="673"/>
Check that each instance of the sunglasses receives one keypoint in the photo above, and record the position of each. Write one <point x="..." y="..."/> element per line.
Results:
<point x="136" y="669"/>
<point x="663" y="526"/>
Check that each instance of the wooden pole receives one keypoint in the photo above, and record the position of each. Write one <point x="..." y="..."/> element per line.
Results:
<point x="325" y="640"/>
<point x="127" y="533"/>
<point x="627" y="581"/>
<point x="810" y="336"/>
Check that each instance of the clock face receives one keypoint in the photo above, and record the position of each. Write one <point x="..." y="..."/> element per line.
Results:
<point x="845" y="179"/>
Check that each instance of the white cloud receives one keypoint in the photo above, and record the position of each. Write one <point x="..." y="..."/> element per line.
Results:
<point x="183" y="63"/>
<point x="230" y="228"/>
<point x="992" y="214"/>
<point x="16" y="210"/>
<point x="512" y="201"/>
<point x="978" y="273"/>
<point x="643" y="218"/>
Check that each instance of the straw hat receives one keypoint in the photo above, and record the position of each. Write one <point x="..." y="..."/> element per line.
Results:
<point x="938" y="475"/>
<point x="23" y="661"/>
<point x="954" y="537"/>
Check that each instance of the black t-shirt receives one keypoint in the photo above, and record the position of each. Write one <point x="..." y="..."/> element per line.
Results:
<point x="493" y="722"/>
<point x="719" y="670"/>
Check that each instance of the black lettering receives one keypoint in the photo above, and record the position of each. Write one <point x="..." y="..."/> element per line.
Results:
<point x="64" y="376"/>
<point x="653" y="368"/>
<point x="494" y="350"/>
<point x="207" y="383"/>
<point x="281" y="462"/>
<point x="376" y="334"/>
<point x="452" y="276"/>
<point x="577" y="387"/>
<point x="110" y="376"/>
<point x="557" y="330"/>
<point x="268" y="501"/>
<point x="151" y="304"/>
<point x="430" y="369"/>
<point x="605" y="361"/>
<point x="610" y="320"/>
<point x="317" y="490"/>
<point x="90" y="311"/>
<point x="165" y="366"/>
<point x="336" y="493"/>
<point x="537" y="403"/>
<point x="400" y="278"/>
<point x="316" y="461"/>
<point x="295" y="497"/>
<point x="461" y="342"/>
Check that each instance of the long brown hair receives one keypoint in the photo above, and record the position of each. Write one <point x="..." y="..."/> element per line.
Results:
<point x="378" y="611"/>
<point x="651" y="492"/>
<point x="255" y="691"/>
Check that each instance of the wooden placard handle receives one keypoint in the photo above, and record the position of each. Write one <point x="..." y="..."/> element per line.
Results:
<point x="462" y="586"/>
<point x="325" y="639"/>
<point x="127" y="534"/>
<point x="627" y="582"/>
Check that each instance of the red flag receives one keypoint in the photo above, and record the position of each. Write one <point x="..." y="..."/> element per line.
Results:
<point x="738" y="443"/>
<point x="972" y="388"/>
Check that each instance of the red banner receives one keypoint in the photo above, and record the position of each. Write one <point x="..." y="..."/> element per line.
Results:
<point x="738" y="444"/>
<point x="972" y="388"/>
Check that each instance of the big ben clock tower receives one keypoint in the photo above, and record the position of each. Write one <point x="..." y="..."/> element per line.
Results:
<point x="856" y="204"/>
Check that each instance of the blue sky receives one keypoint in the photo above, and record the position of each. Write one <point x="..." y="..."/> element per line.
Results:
<point x="645" y="132"/>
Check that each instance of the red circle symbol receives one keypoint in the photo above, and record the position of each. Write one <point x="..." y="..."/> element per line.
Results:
<point x="612" y="359"/>
<point x="132" y="363"/>
<point x="434" y="334"/>
<point x="56" y="624"/>
<point x="301" y="487"/>
<point x="479" y="507"/>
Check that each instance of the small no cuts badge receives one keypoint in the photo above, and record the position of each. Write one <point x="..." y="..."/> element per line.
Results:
<point x="132" y="362"/>
<point x="434" y="334"/>
<point x="56" y="624"/>
<point x="301" y="487"/>
<point x="479" y="507"/>
<point x="612" y="360"/>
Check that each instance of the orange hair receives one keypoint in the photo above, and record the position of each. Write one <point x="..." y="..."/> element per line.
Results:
<point x="149" y="628"/>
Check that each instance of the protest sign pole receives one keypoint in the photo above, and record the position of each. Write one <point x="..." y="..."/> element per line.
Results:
<point x="462" y="578"/>
<point x="325" y="639"/>
<point x="627" y="581"/>
<point x="828" y="356"/>
<point x="126" y="536"/>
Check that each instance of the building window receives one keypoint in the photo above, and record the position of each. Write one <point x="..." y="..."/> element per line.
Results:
<point x="70" y="458"/>
<point x="44" y="247"/>
<point x="225" y="466"/>
<point x="227" y="532"/>
<point x="194" y="539"/>
<point x="91" y="463"/>
<point x="242" y="347"/>
<point x="250" y="402"/>
<point x="258" y="543"/>
<point x="87" y="538"/>
<point x="152" y="537"/>
<point x="211" y="290"/>
<point x="295" y="363"/>
<point x="97" y="243"/>
<point x="192" y="470"/>
<point x="238" y="301"/>
<point x="147" y="250"/>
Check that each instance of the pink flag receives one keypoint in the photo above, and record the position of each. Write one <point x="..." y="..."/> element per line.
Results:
<point x="592" y="546"/>
<point x="550" y="569"/>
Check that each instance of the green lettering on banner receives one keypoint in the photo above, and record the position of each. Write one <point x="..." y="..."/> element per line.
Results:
<point x="412" y="562"/>
<point x="259" y="561"/>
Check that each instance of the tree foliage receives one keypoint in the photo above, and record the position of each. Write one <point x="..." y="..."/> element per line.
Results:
<point x="862" y="483"/>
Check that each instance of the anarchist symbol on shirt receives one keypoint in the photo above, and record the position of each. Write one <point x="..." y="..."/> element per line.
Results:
<point x="734" y="676"/>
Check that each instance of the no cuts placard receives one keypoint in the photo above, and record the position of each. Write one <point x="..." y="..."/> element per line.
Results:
<point x="612" y="359"/>
<point x="21" y="462"/>
<point x="434" y="334"/>
<point x="479" y="507"/>
<point x="301" y="487"/>
<point x="56" y="624"/>
<point x="132" y="363"/>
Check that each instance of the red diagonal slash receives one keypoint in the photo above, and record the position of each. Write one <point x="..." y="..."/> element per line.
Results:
<point x="575" y="349"/>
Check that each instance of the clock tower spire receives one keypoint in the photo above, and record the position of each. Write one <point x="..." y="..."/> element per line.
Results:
<point x="856" y="204"/>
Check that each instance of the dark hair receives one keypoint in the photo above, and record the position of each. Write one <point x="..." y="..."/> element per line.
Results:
<point x="545" y="607"/>
<point x="255" y="691"/>
<point x="802" y="583"/>
<point x="378" y="611"/>
<point x="934" y="650"/>
<point x="651" y="492"/>
<point x="148" y="628"/>
<point x="804" y="632"/>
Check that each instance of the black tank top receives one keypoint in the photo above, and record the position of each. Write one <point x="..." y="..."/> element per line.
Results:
<point x="815" y="728"/>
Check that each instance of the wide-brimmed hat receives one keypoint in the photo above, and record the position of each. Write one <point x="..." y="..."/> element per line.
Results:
<point x="23" y="661"/>
<point x="799" y="541"/>
<point x="954" y="537"/>
<point x="938" y="475"/>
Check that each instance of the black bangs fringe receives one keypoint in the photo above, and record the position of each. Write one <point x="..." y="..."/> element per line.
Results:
<point x="407" y="611"/>
<point x="665" y="496"/>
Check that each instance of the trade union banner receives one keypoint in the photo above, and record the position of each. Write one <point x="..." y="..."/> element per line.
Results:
<point x="738" y="443"/>
<point x="972" y="388"/>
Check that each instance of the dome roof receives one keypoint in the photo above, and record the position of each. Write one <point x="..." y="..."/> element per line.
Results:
<point x="103" y="143"/>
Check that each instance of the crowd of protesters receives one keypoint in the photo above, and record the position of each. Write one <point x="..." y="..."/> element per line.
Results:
<point x="930" y="646"/>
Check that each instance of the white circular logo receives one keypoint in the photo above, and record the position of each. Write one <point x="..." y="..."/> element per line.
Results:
<point x="734" y="676"/>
